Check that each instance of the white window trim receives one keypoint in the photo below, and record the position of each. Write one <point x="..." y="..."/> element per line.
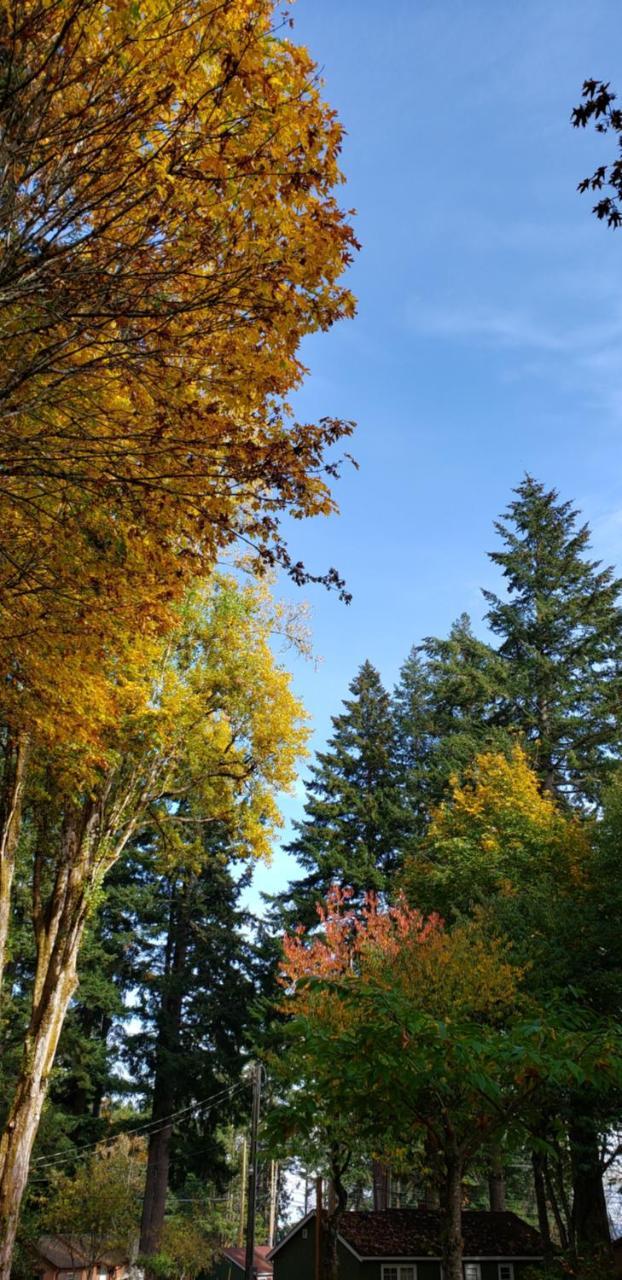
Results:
<point x="478" y="1270"/>
<point x="510" y="1266"/>
<point x="398" y="1266"/>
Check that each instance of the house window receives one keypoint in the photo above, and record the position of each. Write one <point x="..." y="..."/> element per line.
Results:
<point x="506" y="1271"/>
<point x="472" y="1271"/>
<point x="397" y="1272"/>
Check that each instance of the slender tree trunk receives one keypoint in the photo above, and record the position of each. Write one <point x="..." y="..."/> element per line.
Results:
<point x="79" y="862"/>
<point x="337" y="1205"/>
<point x="165" y="1082"/>
<point x="561" y="1196"/>
<point x="537" y="1162"/>
<point x="452" y="1213"/>
<point x="58" y="931"/>
<point x="562" y="1229"/>
<point x="11" y="798"/>
<point x="432" y="1197"/>
<point x="432" y="1193"/>
<point x="590" y="1220"/>
<point x="496" y="1184"/>
<point x="380" y="1178"/>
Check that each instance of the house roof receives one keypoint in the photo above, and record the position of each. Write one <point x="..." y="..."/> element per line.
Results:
<point x="260" y="1258"/>
<point x="416" y="1233"/>
<point x="75" y="1254"/>
<point x="64" y="1255"/>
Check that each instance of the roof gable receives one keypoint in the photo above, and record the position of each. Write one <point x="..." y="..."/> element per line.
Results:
<point x="416" y="1233"/>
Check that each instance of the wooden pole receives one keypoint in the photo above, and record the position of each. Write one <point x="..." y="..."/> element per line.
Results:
<point x="252" y="1176"/>
<point x="243" y="1177"/>
<point x="274" y="1187"/>
<point x="318" y="1229"/>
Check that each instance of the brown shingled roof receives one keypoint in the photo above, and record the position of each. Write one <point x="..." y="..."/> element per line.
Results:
<point x="64" y="1255"/>
<point x="260" y="1258"/>
<point x="416" y="1233"/>
<point x="76" y="1254"/>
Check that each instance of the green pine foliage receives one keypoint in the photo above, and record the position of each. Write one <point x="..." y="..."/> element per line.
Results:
<point x="196" y="976"/>
<point x="560" y="637"/>
<point x="444" y="706"/>
<point x="352" y="831"/>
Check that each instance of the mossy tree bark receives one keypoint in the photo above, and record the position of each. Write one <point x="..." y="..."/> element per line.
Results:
<point x="77" y="844"/>
<point x="15" y="758"/>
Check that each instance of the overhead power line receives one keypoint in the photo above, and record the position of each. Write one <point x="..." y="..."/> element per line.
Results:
<point x="148" y="1127"/>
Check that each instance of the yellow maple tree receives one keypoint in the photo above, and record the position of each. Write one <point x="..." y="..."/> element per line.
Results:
<point x="209" y="731"/>
<point x="496" y="831"/>
<point x="170" y="234"/>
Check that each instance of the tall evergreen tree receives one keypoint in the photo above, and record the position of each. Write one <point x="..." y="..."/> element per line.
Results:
<point x="195" y="972"/>
<point x="353" y="825"/>
<point x="444" y="708"/>
<point x="560" y="633"/>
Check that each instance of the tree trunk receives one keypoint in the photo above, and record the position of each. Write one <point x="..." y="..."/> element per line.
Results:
<point x="496" y="1184"/>
<point x="432" y="1197"/>
<point x="537" y="1162"/>
<point x="590" y="1220"/>
<point x="337" y="1205"/>
<point x="58" y="932"/>
<point x="11" y="797"/>
<point x="561" y="1226"/>
<point x="156" y="1187"/>
<point x="165" y="1078"/>
<point x="452" y="1213"/>
<point x="58" y="924"/>
<point x="432" y="1192"/>
<point x="380" y="1176"/>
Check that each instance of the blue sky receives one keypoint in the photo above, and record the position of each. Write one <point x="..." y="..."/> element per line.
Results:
<point x="489" y="332"/>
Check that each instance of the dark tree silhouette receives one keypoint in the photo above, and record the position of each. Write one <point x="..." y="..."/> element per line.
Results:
<point x="598" y="108"/>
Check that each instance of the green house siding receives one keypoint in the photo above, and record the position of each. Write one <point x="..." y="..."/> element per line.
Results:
<point x="224" y="1269"/>
<point x="296" y="1261"/>
<point x="373" y="1270"/>
<point x="490" y="1270"/>
<point x="221" y="1270"/>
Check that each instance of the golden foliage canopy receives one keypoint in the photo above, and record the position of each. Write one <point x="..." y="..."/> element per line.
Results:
<point x="496" y="832"/>
<point x="170" y="233"/>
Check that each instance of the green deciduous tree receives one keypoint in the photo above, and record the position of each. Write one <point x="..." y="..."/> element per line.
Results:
<point x="97" y="1205"/>
<point x="409" y="1028"/>
<point x="501" y="850"/>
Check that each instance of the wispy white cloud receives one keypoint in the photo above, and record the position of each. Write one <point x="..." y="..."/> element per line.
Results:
<point x="484" y="322"/>
<point x="514" y="327"/>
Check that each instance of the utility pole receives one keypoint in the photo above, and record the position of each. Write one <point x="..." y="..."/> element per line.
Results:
<point x="318" y="1229"/>
<point x="274" y="1192"/>
<point x="252" y="1175"/>
<point x="243" y="1180"/>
